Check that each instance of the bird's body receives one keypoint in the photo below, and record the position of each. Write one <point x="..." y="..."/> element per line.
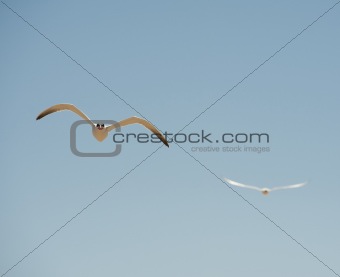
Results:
<point x="100" y="131"/>
<point x="264" y="191"/>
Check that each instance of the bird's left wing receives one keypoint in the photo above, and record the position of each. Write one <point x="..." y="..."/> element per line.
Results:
<point x="63" y="107"/>
<point x="141" y="121"/>
<point x="231" y="182"/>
<point x="290" y="186"/>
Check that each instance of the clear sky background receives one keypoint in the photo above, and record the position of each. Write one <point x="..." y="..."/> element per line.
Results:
<point x="170" y="216"/>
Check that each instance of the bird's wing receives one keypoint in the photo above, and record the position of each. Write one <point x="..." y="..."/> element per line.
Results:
<point x="290" y="186"/>
<point x="241" y="185"/>
<point x="137" y="120"/>
<point x="62" y="107"/>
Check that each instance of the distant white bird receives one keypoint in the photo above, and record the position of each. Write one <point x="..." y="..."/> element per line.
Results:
<point x="265" y="191"/>
<point x="99" y="131"/>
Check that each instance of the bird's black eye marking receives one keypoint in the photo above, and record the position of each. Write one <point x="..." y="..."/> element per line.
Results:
<point x="97" y="125"/>
<point x="103" y="125"/>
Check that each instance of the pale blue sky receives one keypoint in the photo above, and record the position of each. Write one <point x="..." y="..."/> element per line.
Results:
<point x="170" y="60"/>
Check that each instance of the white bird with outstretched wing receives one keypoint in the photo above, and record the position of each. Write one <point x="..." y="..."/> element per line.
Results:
<point x="99" y="131"/>
<point x="265" y="191"/>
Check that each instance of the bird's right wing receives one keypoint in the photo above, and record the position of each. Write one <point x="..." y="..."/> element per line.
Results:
<point x="290" y="186"/>
<point x="62" y="107"/>
<point x="241" y="185"/>
<point x="141" y="121"/>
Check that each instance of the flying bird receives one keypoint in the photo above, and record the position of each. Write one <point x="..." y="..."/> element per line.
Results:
<point x="265" y="191"/>
<point x="100" y="131"/>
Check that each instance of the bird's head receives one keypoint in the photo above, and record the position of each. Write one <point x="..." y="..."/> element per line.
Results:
<point x="100" y="126"/>
<point x="265" y="191"/>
